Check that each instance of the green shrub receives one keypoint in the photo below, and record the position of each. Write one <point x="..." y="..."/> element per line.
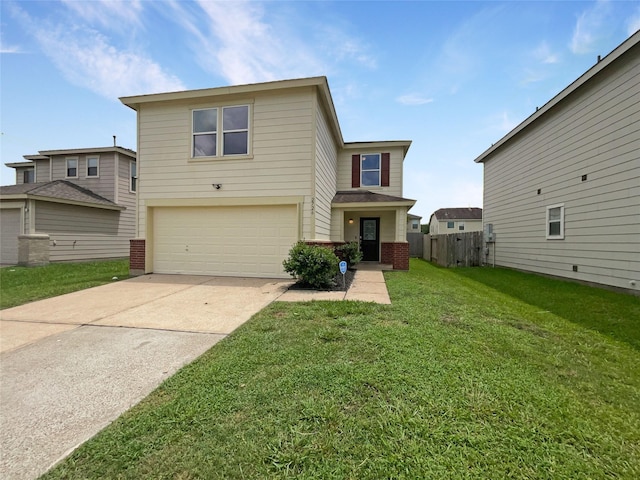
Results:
<point x="350" y="252"/>
<point x="316" y="266"/>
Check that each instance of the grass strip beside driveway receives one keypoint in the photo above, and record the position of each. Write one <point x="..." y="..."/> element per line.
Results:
<point x="20" y="285"/>
<point x="455" y="379"/>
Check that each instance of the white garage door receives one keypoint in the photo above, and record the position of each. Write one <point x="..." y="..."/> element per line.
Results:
<point x="9" y="231"/>
<point x="249" y="241"/>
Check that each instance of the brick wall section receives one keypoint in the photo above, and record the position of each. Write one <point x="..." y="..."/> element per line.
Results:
<point x="396" y="254"/>
<point x="137" y="252"/>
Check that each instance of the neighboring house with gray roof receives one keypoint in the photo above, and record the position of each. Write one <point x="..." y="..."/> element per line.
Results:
<point x="76" y="204"/>
<point x="562" y="189"/>
<point x="455" y="220"/>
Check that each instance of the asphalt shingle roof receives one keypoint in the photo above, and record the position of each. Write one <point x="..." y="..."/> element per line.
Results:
<point x="58" y="189"/>
<point x="468" y="213"/>
<point x="362" y="196"/>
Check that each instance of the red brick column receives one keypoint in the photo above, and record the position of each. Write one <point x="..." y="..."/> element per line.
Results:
<point x="396" y="254"/>
<point x="137" y="247"/>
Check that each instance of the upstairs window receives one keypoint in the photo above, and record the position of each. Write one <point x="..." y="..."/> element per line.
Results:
<point x="370" y="170"/>
<point x="92" y="166"/>
<point x="415" y="225"/>
<point x="451" y="224"/>
<point x="29" y="176"/>
<point x="555" y="222"/>
<point x="461" y="226"/>
<point x="72" y="168"/>
<point x="205" y="132"/>
<point x="235" y="131"/>
<point x="133" y="177"/>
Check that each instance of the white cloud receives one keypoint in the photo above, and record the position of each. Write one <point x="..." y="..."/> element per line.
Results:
<point x="10" y="49"/>
<point x="633" y="24"/>
<point x="246" y="42"/>
<point x="590" y="27"/>
<point x="108" y="13"/>
<point x="87" y="59"/>
<point x="543" y="54"/>
<point x="413" y="99"/>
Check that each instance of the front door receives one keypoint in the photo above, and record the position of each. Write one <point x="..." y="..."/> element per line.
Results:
<point x="370" y="239"/>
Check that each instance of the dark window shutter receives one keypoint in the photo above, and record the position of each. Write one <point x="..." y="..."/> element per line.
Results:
<point x="384" y="174"/>
<point x="355" y="170"/>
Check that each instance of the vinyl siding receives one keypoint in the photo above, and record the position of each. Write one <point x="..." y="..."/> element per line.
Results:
<point x="43" y="171"/>
<point x="594" y="132"/>
<point x="95" y="231"/>
<point x="281" y="146"/>
<point x="126" y="199"/>
<point x="103" y="185"/>
<point x="395" y="171"/>
<point x="325" y="176"/>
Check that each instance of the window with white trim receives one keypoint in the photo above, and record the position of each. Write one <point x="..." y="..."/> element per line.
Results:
<point x="133" y="177"/>
<point x="451" y="224"/>
<point x="415" y="225"/>
<point x="555" y="222"/>
<point x="233" y="124"/>
<point x="370" y="170"/>
<point x="72" y="168"/>
<point x="92" y="166"/>
<point x="461" y="226"/>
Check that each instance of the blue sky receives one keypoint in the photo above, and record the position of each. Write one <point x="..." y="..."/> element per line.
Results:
<point x="453" y="77"/>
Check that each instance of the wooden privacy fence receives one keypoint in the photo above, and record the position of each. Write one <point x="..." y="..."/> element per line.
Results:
<point x="416" y="244"/>
<point x="454" y="249"/>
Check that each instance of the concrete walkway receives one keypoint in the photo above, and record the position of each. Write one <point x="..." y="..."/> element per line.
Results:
<point x="368" y="286"/>
<point x="72" y="364"/>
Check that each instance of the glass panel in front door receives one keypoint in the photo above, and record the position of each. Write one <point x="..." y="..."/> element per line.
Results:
<point x="369" y="230"/>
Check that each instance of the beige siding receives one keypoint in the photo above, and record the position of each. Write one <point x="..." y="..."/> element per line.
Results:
<point x="126" y="199"/>
<point x="325" y="176"/>
<point x="80" y="233"/>
<point x="440" y="227"/>
<point x="280" y="163"/>
<point x="593" y="132"/>
<point x="395" y="171"/>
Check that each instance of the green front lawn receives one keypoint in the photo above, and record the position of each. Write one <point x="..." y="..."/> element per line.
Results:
<point x="20" y="285"/>
<point x="461" y="377"/>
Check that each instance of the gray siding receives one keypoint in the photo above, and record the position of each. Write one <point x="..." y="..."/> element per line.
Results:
<point x="43" y="171"/>
<point x="595" y="131"/>
<point x="81" y="233"/>
<point x="103" y="185"/>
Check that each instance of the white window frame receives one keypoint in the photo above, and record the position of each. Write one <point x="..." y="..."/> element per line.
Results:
<point x="453" y="224"/>
<point x="560" y="236"/>
<point x="461" y="226"/>
<point x="415" y="225"/>
<point x="220" y="132"/>
<point x="97" y="158"/>
<point x="133" y="179"/>
<point x="66" y="167"/>
<point x="362" y="170"/>
<point x="237" y="130"/>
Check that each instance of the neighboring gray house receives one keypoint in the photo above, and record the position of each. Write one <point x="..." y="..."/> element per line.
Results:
<point x="413" y="223"/>
<point x="455" y="220"/>
<point x="562" y="189"/>
<point x="68" y="205"/>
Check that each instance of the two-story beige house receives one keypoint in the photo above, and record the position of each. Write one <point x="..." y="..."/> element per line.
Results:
<point x="69" y="205"/>
<point x="231" y="177"/>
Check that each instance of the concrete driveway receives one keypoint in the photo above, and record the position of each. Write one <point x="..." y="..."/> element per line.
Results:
<point x="70" y="365"/>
